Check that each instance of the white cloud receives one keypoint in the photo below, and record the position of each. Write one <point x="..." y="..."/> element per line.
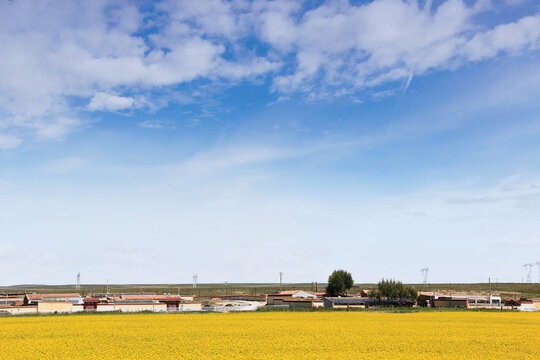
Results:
<point x="512" y="38"/>
<point x="9" y="141"/>
<point x="54" y="51"/>
<point x="102" y="52"/>
<point x="341" y="46"/>
<point x="55" y="129"/>
<point x="108" y="102"/>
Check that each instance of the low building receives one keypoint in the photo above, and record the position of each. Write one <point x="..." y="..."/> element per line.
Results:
<point x="44" y="307"/>
<point x="484" y="300"/>
<point x="425" y="299"/>
<point x="344" y="302"/>
<point x="154" y="298"/>
<point x="141" y="298"/>
<point x="190" y="306"/>
<point x="104" y="307"/>
<point x="12" y="301"/>
<point x="138" y="307"/>
<point x="90" y="304"/>
<point x="172" y="303"/>
<point x="360" y="302"/>
<point x="303" y="303"/>
<point x="33" y="299"/>
<point x="19" y="310"/>
<point x="242" y="297"/>
<point x="450" y="302"/>
<point x="291" y="294"/>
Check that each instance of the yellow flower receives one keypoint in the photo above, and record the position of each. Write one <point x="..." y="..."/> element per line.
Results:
<point x="323" y="335"/>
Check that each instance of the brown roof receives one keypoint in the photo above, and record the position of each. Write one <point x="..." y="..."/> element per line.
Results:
<point x="144" y="297"/>
<point x="288" y="292"/>
<point x="153" y="297"/>
<point x="45" y="296"/>
<point x="133" y="304"/>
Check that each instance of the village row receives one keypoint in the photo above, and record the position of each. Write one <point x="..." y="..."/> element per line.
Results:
<point x="33" y="303"/>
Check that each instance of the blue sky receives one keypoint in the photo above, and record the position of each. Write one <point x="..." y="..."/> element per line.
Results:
<point x="147" y="141"/>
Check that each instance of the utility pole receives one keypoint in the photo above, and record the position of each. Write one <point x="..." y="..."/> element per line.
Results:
<point x="225" y="288"/>
<point x="424" y="272"/>
<point x="280" y="281"/>
<point x="528" y="268"/>
<point x="489" y="280"/>
<point x="78" y="285"/>
<point x="107" y="287"/>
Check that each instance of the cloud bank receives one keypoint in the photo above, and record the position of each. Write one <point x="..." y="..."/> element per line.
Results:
<point x="106" y="55"/>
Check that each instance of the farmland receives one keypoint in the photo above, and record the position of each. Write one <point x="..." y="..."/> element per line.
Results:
<point x="511" y="290"/>
<point x="344" y="335"/>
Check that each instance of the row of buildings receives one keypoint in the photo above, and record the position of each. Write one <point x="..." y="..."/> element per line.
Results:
<point x="25" y="303"/>
<point x="300" y="298"/>
<point x="70" y="303"/>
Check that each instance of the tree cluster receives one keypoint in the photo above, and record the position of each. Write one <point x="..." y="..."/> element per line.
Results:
<point x="394" y="290"/>
<point x="339" y="282"/>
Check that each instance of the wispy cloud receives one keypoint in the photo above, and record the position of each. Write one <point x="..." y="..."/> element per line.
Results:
<point x="157" y="124"/>
<point x="108" y="102"/>
<point x="9" y="141"/>
<point x="64" y="165"/>
<point x="224" y="159"/>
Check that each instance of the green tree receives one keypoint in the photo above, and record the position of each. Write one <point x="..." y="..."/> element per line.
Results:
<point x="394" y="290"/>
<point x="339" y="282"/>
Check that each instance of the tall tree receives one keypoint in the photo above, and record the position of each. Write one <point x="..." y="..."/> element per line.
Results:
<point x="339" y="282"/>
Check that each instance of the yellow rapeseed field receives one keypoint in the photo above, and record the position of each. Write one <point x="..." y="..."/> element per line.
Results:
<point x="323" y="335"/>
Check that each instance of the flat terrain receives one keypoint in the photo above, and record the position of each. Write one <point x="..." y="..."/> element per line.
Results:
<point x="511" y="290"/>
<point x="337" y="335"/>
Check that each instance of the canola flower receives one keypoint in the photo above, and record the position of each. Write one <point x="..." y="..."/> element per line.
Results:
<point x="324" y="335"/>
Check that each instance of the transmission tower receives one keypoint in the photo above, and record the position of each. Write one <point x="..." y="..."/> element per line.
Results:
<point x="280" y="281"/>
<point x="538" y="269"/>
<point x="424" y="272"/>
<point x="528" y="268"/>
<point x="195" y="280"/>
<point x="78" y="285"/>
